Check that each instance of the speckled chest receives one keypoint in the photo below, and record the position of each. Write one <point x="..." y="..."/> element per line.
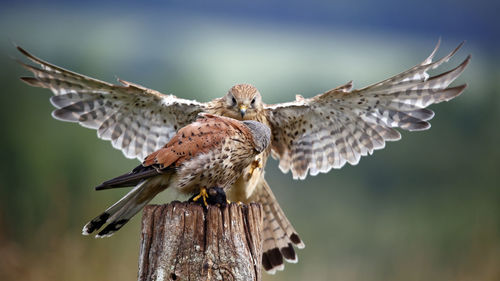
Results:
<point x="220" y="167"/>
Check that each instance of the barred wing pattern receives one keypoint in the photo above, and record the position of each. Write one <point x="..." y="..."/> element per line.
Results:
<point x="137" y="120"/>
<point x="339" y="126"/>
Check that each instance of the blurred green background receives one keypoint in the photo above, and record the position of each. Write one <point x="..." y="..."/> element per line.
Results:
<point x="425" y="208"/>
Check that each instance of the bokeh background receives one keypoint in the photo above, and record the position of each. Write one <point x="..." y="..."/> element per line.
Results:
<point x="425" y="208"/>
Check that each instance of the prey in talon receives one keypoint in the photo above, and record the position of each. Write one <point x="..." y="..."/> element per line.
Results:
<point x="204" y="158"/>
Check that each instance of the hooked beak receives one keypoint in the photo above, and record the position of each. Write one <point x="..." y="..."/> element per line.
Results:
<point x="243" y="110"/>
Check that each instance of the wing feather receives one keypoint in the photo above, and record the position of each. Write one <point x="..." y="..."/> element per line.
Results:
<point x="340" y="126"/>
<point x="136" y="120"/>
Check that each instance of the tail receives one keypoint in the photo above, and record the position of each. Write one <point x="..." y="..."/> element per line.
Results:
<point x="279" y="234"/>
<point x="122" y="211"/>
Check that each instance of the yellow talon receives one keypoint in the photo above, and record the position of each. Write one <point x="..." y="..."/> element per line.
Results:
<point x="255" y="164"/>
<point x="203" y="194"/>
<point x="250" y="172"/>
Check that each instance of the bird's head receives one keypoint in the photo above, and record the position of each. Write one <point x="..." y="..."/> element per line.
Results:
<point x="243" y="102"/>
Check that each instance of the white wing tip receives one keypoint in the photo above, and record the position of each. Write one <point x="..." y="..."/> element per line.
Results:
<point x="104" y="236"/>
<point x="280" y="267"/>
<point x="85" y="229"/>
<point x="272" y="271"/>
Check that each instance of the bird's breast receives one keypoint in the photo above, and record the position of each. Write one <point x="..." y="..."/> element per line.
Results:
<point x="219" y="167"/>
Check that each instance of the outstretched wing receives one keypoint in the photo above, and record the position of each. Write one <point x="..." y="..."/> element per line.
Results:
<point x="137" y="120"/>
<point x="324" y="132"/>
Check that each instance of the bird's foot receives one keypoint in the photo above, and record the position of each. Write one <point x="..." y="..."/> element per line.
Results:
<point x="211" y="196"/>
<point x="203" y="194"/>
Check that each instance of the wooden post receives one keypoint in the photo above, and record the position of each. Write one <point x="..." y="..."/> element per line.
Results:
<point x="182" y="241"/>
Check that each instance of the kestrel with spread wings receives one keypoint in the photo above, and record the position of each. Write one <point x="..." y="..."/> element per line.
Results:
<point x="308" y="135"/>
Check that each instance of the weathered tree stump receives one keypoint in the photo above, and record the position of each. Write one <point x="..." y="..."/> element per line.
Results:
<point x="182" y="241"/>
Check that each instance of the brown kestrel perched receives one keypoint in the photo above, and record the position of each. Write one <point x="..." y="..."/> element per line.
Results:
<point x="211" y="152"/>
<point x="309" y="135"/>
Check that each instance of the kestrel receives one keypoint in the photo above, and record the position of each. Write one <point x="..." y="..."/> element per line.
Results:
<point x="211" y="152"/>
<point x="309" y="135"/>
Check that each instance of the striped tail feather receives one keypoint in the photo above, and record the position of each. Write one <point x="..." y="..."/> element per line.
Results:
<point x="278" y="233"/>
<point x="122" y="211"/>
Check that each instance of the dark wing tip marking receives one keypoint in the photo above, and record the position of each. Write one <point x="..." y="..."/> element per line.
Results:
<point x="289" y="253"/>
<point x="95" y="224"/>
<point x="266" y="263"/>
<point x="23" y="51"/>
<point x="137" y="175"/>
<point x="102" y="186"/>
<point x="272" y="260"/>
<point x="112" y="228"/>
<point x="295" y="239"/>
<point x="33" y="58"/>
<point x="32" y="81"/>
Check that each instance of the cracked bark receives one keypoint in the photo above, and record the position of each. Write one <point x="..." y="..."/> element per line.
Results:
<point x="182" y="241"/>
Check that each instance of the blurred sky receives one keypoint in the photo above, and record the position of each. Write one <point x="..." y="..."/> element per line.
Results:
<point x="425" y="208"/>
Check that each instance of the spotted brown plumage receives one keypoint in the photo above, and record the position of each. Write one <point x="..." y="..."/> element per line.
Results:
<point x="211" y="152"/>
<point x="309" y="135"/>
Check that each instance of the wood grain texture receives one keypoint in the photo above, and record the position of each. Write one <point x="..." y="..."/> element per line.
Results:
<point x="182" y="241"/>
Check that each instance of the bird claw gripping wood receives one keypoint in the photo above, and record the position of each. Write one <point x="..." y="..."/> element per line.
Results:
<point x="211" y="196"/>
<point x="203" y="194"/>
<point x="256" y="164"/>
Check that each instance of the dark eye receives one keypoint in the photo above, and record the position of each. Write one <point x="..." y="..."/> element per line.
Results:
<point x="253" y="101"/>
<point x="234" y="101"/>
